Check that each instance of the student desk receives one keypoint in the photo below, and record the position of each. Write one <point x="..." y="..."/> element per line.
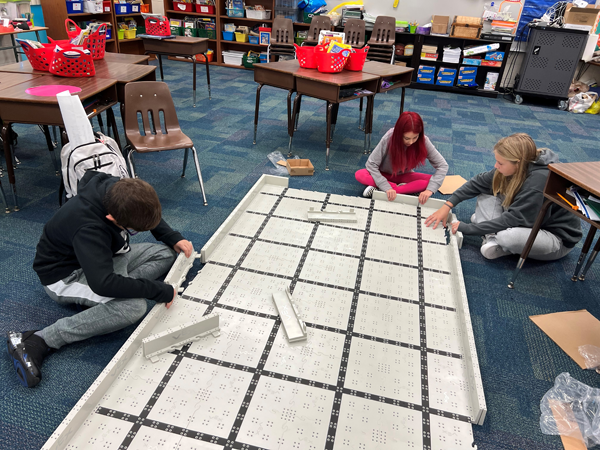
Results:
<point x="400" y="76"/>
<point x="279" y="75"/>
<point x="327" y="86"/>
<point x="124" y="58"/>
<point x="16" y="106"/>
<point x="561" y="177"/>
<point x="187" y="47"/>
<point x="14" y="45"/>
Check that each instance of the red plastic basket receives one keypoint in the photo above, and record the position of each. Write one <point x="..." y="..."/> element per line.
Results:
<point x="39" y="58"/>
<point x="356" y="60"/>
<point x="306" y="57"/>
<point x="157" y="27"/>
<point x="330" y="62"/>
<point x="95" y="43"/>
<point x="72" y="63"/>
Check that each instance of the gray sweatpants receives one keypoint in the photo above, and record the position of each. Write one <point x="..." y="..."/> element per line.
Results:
<point x="546" y="247"/>
<point x="105" y="315"/>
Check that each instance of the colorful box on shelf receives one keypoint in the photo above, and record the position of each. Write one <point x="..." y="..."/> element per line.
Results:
<point x="234" y="12"/>
<point x="93" y="6"/>
<point x="466" y="76"/>
<point x="109" y="33"/>
<point x="106" y="6"/>
<point x="205" y="9"/>
<point x="233" y="57"/>
<point x="494" y="56"/>
<point x="263" y="58"/>
<point x="446" y="76"/>
<point x="261" y="14"/>
<point x="74" y="7"/>
<point x="135" y="8"/>
<point x="241" y="37"/>
<point x="122" y="8"/>
<point x="426" y="70"/>
<point x="130" y="34"/>
<point x="472" y="61"/>
<point x="253" y="39"/>
<point x="468" y="71"/>
<point x="183" y="7"/>
<point x="491" y="63"/>
<point x="228" y="35"/>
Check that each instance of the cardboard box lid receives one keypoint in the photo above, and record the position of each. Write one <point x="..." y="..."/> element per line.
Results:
<point x="440" y="20"/>
<point x="581" y="16"/>
<point x="465" y="21"/>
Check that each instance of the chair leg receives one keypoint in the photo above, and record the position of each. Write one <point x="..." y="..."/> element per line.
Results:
<point x="393" y="53"/>
<point x="194" y="153"/>
<point x="101" y="124"/>
<point x="268" y="52"/>
<point x="185" y="157"/>
<point x="131" y="164"/>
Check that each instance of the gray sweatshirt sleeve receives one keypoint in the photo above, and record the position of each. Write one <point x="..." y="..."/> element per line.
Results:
<point x="479" y="184"/>
<point x="439" y="164"/>
<point x="376" y="160"/>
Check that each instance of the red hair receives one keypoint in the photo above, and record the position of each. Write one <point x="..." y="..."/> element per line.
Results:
<point x="407" y="158"/>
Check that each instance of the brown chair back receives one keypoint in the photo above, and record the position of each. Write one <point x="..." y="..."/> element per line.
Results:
<point x="149" y="99"/>
<point x="317" y="24"/>
<point x="282" y="31"/>
<point x="384" y="31"/>
<point x="355" y="33"/>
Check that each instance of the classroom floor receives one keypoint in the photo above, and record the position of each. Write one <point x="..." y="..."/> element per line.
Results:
<point x="518" y="362"/>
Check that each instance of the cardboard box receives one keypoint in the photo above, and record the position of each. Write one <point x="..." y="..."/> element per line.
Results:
<point x="400" y="63"/>
<point x="471" y="61"/>
<point x="581" y="16"/>
<point x="426" y="70"/>
<point x="300" y="167"/>
<point x="468" y="71"/>
<point x="439" y="24"/>
<point x="491" y="63"/>
<point x="425" y="79"/>
<point x="494" y="56"/>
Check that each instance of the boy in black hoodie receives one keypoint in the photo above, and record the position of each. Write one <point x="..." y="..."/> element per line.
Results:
<point x="84" y="258"/>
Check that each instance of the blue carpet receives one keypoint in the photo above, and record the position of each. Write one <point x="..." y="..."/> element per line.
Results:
<point x="518" y="362"/>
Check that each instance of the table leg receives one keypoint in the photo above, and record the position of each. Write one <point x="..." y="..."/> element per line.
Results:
<point x="50" y="145"/>
<point x="289" y="110"/>
<point x="110" y="117"/>
<point x="298" y="113"/>
<point x="101" y="123"/>
<point x="368" y="125"/>
<point x="9" y="162"/>
<point x="328" y="143"/>
<point x="291" y="129"/>
<point x="6" y="210"/>
<point x="162" y="76"/>
<point x="256" y="109"/>
<point x="584" y="251"/>
<point x="194" y="83"/>
<point x="360" y="108"/>
<point x="336" y="108"/>
<point x="402" y="101"/>
<point x="534" y="232"/>
<point x="14" y="43"/>
<point x="591" y="260"/>
<point x="207" y="74"/>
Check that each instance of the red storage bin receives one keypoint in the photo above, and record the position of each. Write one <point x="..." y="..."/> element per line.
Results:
<point x="95" y="43"/>
<point x="106" y="6"/>
<point x="306" y="57"/>
<point x="330" y="62"/>
<point x="205" y="9"/>
<point x="72" y="63"/>
<point x="39" y="58"/>
<point x="157" y="27"/>
<point x="183" y="7"/>
<point x="356" y="60"/>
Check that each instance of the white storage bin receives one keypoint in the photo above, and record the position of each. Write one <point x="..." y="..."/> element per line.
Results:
<point x="254" y="14"/>
<point x="233" y="58"/>
<point x="93" y="6"/>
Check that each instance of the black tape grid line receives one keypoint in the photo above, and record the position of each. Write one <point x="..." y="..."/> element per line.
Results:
<point x="330" y="225"/>
<point x="329" y="252"/>
<point x="327" y="285"/>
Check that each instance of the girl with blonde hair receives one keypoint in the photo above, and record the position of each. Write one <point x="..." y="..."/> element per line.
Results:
<point x="509" y="198"/>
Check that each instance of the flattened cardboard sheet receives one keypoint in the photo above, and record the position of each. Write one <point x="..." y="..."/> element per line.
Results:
<point x="451" y="183"/>
<point x="569" y="330"/>
<point x="563" y="412"/>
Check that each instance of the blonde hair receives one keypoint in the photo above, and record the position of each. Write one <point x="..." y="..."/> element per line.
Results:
<point x="519" y="149"/>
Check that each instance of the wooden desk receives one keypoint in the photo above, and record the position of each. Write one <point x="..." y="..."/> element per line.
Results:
<point x="280" y="75"/>
<point x="8" y="80"/>
<point x="124" y="58"/>
<point x="560" y="178"/>
<point x="16" y="106"/>
<point x="187" y="47"/>
<point x="327" y="86"/>
<point x="12" y="35"/>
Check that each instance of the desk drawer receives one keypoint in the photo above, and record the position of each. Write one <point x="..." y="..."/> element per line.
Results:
<point x="275" y="79"/>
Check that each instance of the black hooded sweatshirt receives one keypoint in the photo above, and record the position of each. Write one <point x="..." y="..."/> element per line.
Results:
<point x="80" y="236"/>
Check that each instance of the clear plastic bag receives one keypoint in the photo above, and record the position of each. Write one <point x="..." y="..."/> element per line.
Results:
<point x="571" y="408"/>
<point x="277" y="169"/>
<point x="591" y="355"/>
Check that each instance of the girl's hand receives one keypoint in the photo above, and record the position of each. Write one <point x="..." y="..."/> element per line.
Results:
<point x="184" y="246"/>
<point x="424" y="196"/>
<point x="455" y="226"/>
<point x="391" y="194"/>
<point x="441" y="215"/>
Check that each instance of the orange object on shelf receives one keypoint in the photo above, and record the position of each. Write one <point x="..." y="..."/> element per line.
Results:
<point x="145" y="8"/>
<point x="200" y="57"/>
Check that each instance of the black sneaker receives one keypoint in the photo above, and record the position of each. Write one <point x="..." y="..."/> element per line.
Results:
<point x="27" y="351"/>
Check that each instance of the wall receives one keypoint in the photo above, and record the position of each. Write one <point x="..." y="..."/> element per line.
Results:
<point x="158" y="7"/>
<point x="422" y="10"/>
<point x="8" y="56"/>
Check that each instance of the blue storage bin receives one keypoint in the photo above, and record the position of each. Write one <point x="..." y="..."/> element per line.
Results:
<point x="135" y="8"/>
<point x="108" y="33"/>
<point x="228" y="35"/>
<point x="253" y="39"/>
<point x="263" y="58"/>
<point x="122" y="8"/>
<point x="74" y="7"/>
<point x="232" y="12"/>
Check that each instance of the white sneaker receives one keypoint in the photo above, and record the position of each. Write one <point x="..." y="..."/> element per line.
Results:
<point x="491" y="249"/>
<point x="473" y="218"/>
<point x="368" y="192"/>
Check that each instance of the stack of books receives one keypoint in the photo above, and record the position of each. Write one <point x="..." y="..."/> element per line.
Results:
<point x="588" y="205"/>
<point x="429" y="53"/>
<point x="451" y="55"/>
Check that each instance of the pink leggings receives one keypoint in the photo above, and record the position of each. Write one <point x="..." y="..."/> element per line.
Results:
<point x="415" y="182"/>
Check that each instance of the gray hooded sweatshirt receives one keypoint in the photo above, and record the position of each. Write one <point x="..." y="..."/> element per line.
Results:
<point x="379" y="162"/>
<point x="525" y="206"/>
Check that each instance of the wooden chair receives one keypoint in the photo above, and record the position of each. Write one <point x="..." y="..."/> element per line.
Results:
<point x="317" y="24"/>
<point x="151" y="100"/>
<point x="282" y="38"/>
<point x="355" y="33"/>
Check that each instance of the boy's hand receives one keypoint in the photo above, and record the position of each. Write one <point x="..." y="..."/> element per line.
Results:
<point x="168" y="305"/>
<point x="391" y="194"/>
<point x="424" y="196"/>
<point x="184" y="246"/>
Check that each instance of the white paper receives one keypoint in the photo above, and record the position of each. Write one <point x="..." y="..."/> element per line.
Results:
<point x="76" y="122"/>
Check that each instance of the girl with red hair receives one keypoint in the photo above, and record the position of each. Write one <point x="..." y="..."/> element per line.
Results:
<point x="390" y="168"/>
